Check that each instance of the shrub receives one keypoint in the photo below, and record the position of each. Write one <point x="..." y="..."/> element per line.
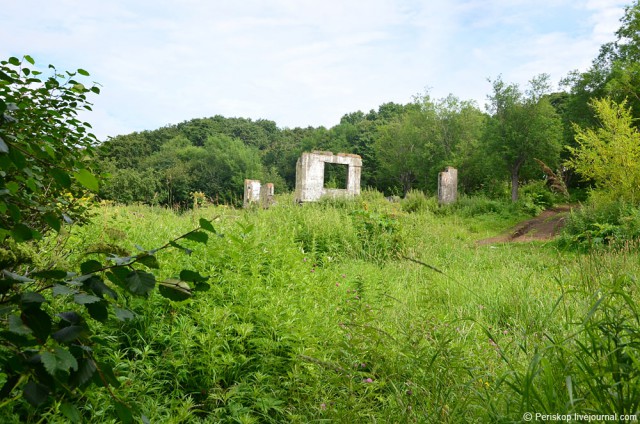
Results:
<point x="601" y="223"/>
<point x="416" y="201"/>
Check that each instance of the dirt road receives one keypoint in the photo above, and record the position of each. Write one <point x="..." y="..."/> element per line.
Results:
<point x="543" y="227"/>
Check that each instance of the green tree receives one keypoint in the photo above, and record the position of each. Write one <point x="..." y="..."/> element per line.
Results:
<point x="403" y="152"/>
<point x="522" y="126"/>
<point x="609" y="155"/>
<point x="44" y="149"/>
<point x="615" y="73"/>
<point x="48" y="314"/>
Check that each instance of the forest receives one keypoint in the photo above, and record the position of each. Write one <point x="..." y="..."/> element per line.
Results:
<point x="403" y="147"/>
<point x="135" y="288"/>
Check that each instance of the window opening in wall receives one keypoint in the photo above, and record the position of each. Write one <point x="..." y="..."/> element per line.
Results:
<point x="335" y="175"/>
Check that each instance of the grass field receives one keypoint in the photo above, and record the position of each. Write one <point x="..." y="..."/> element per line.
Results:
<point x="361" y="311"/>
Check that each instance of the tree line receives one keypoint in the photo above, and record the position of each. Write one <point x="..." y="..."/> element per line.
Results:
<point x="403" y="146"/>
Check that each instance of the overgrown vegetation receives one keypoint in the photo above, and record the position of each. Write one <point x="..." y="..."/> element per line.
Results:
<point x="306" y="321"/>
<point x="371" y="309"/>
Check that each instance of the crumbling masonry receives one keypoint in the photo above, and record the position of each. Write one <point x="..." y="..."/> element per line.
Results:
<point x="310" y="176"/>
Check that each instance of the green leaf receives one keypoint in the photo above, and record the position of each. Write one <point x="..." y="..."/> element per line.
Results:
<point x="86" y="369"/>
<point x="205" y="224"/>
<point x="71" y="412"/>
<point x="30" y="298"/>
<point x="14" y="61"/>
<point x="99" y="288"/>
<point x="18" y="159"/>
<point x="83" y="72"/>
<point x="50" y="362"/>
<point x="52" y="221"/>
<point x="17" y="277"/>
<point x="201" y="287"/>
<point x="123" y="314"/>
<point x="21" y="233"/>
<point x="84" y="299"/>
<point x="187" y="275"/>
<point x="60" y="290"/>
<point x="35" y="393"/>
<point x="5" y="77"/>
<point x="68" y="334"/>
<point x="109" y="376"/>
<point x="3" y="146"/>
<point x="87" y="179"/>
<point x="17" y="326"/>
<point x="39" y="322"/>
<point x="29" y="59"/>
<point x="58" y="360"/>
<point x="197" y="236"/>
<point x="98" y="311"/>
<point x="124" y="413"/>
<point x="13" y="187"/>
<point x="118" y="276"/>
<point x="61" y="177"/>
<point x="140" y="283"/>
<point x="50" y="274"/>
<point x="149" y="260"/>
<point x="90" y="266"/>
<point x="177" y="246"/>
<point x="175" y="290"/>
<point x="71" y="317"/>
<point x="66" y="361"/>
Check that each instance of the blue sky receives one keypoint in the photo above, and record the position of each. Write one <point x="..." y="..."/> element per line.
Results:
<point x="298" y="62"/>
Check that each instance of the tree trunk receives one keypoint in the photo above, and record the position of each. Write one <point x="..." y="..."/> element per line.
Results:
<point x="515" y="174"/>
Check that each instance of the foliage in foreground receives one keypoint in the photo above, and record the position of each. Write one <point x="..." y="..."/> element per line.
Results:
<point x="51" y="314"/>
<point x="305" y="322"/>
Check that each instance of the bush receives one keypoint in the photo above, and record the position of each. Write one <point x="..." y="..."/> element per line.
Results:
<point x="601" y="223"/>
<point x="537" y="196"/>
<point x="470" y="206"/>
<point x="416" y="201"/>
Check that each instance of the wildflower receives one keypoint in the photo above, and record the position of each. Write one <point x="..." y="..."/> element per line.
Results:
<point x="323" y="406"/>
<point x="363" y="365"/>
<point x="505" y="332"/>
<point x="344" y="276"/>
<point x="367" y="380"/>
<point x="337" y="284"/>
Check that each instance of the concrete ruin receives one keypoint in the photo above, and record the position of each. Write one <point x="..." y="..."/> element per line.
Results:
<point x="267" y="195"/>
<point x="310" y="176"/>
<point x="256" y="193"/>
<point x="448" y="186"/>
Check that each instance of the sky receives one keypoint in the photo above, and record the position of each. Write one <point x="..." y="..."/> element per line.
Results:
<point x="299" y="63"/>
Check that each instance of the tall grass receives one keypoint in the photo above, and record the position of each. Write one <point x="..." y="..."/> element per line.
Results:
<point x="369" y="311"/>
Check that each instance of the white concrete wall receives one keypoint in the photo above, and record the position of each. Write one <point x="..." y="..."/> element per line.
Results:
<point x="310" y="175"/>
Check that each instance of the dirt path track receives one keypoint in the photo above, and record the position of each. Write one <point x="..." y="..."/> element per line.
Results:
<point x="543" y="227"/>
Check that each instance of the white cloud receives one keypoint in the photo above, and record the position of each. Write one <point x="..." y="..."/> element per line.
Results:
<point x="299" y="62"/>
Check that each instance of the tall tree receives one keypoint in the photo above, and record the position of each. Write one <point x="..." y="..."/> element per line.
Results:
<point x="522" y="126"/>
<point x="615" y="73"/>
<point x="610" y="154"/>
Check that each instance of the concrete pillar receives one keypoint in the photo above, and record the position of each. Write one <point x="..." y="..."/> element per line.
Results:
<point x="266" y="195"/>
<point x="448" y="186"/>
<point x="251" y="192"/>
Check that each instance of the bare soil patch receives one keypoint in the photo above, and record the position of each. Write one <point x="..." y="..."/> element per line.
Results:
<point x="543" y="227"/>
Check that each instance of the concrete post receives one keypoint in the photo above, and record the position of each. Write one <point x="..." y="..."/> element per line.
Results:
<point x="448" y="186"/>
